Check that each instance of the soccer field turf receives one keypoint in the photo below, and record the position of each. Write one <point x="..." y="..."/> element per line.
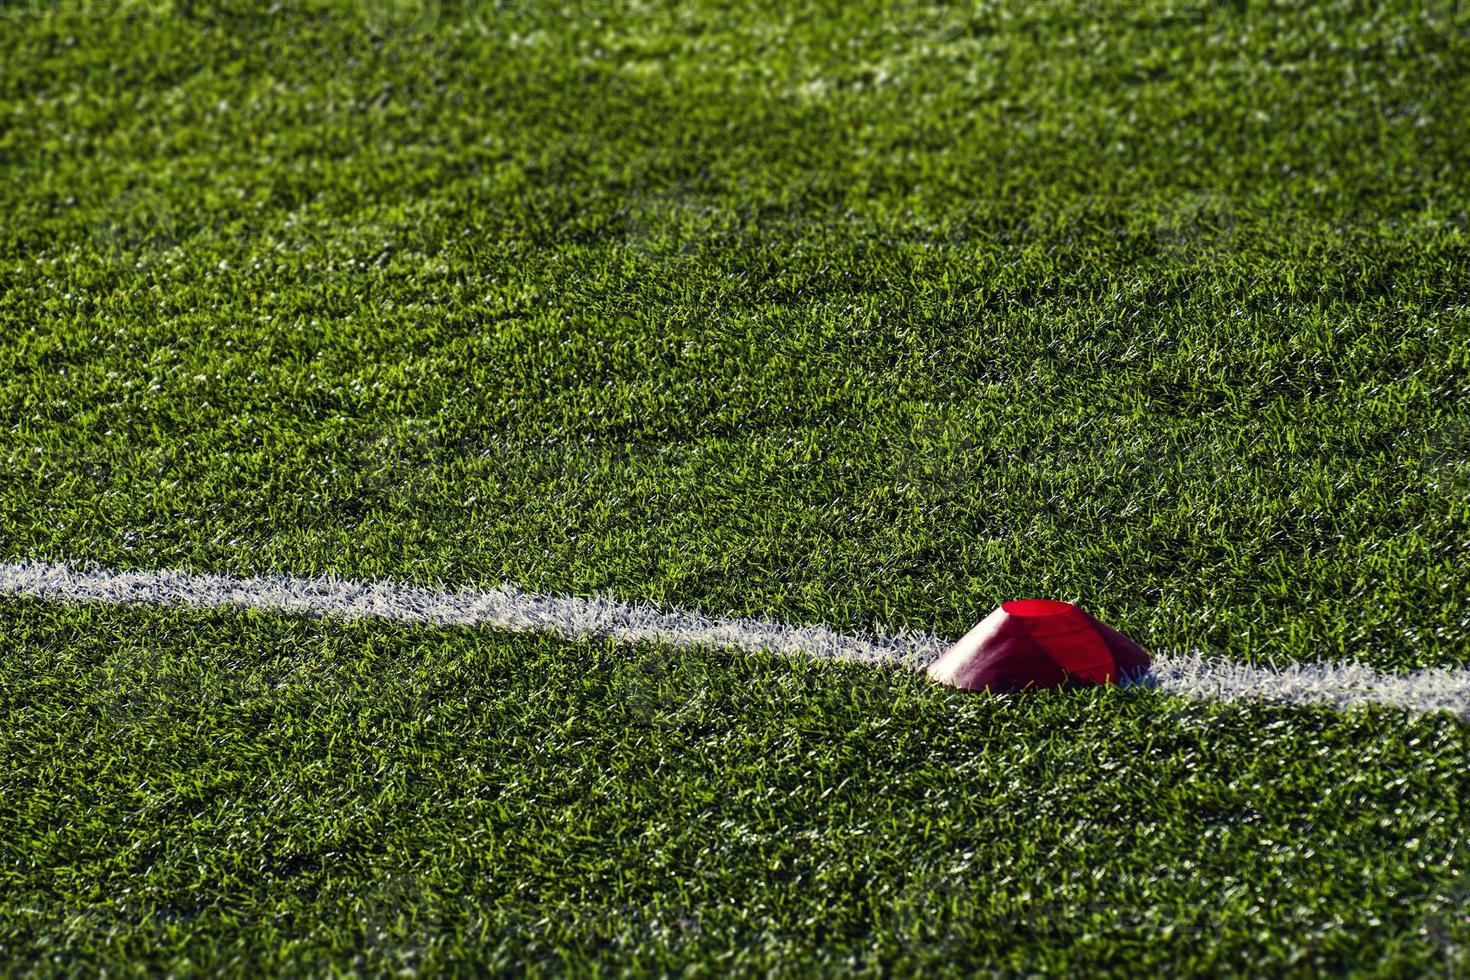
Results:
<point x="860" y="316"/>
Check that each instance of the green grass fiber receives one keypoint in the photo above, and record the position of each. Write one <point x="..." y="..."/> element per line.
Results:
<point x="850" y="313"/>
<point x="194" y="791"/>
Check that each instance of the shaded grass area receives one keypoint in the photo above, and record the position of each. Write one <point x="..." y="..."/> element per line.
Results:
<point x="851" y="316"/>
<point x="190" y="790"/>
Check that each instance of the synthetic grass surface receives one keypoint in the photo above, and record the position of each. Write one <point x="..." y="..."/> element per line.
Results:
<point x="840" y="319"/>
<point x="848" y="316"/>
<point x="200" y="791"/>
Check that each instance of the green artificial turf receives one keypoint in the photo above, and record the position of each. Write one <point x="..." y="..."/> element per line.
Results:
<point x="192" y="791"/>
<point x="1162" y="309"/>
<point x="857" y="314"/>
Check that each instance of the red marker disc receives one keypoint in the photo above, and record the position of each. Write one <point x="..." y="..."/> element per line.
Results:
<point x="1039" y="643"/>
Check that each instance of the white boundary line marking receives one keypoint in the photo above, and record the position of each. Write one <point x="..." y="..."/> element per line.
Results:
<point x="1338" y="685"/>
<point x="504" y="608"/>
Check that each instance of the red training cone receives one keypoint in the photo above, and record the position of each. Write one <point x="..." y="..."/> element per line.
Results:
<point x="1036" y="643"/>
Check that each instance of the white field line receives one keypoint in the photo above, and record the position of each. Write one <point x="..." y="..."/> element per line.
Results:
<point x="1338" y="685"/>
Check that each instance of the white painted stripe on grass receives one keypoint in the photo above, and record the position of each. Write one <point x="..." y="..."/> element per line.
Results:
<point x="1338" y="685"/>
<point x="506" y="608"/>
